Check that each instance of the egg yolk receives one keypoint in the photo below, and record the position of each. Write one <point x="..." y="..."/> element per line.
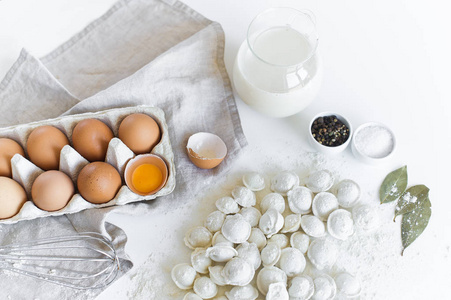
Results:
<point x="147" y="178"/>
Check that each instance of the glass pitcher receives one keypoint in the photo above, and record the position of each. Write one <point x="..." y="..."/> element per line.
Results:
<point x="277" y="70"/>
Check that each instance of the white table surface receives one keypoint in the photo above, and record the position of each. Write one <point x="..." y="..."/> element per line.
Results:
<point x="385" y="61"/>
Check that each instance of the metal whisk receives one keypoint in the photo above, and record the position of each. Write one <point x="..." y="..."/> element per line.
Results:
<point x="82" y="261"/>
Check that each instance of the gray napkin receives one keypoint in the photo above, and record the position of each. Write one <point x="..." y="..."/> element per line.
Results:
<point x="154" y="52"/>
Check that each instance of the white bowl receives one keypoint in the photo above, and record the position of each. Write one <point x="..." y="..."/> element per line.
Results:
<point x="365" y="157"/>
<point x="329" y="149"/>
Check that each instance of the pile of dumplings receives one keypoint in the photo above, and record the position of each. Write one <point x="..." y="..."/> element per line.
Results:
<point x="273" y="247"/>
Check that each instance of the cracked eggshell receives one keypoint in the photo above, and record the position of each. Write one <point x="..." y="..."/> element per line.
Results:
<point x="348" y="193"/>
<point x="325" y="288"/>
<point x="292" y="261"/>
<point x="258" y="238"/>
<point x="216" y="275"/>
<point x="280" y="239"/>
<point x="292" y="223"/>
<point x="270" y="254"/>
<point x="313" y="226"/>
<point x="340" y="224"/>
<point x="250" y="252"/>
<point x="366" y="217"/>
<point x="236" y="229"/>
<point x="183" y="276"/>
<point x="300" y="241"/>
<point x="247" y="292"/>
<point x="300" y="200"/>
<point x="198" y="237"/>
<point x="348" y="285"/>
<point x="268" y="276"/>
<point x="227" y="205"/>
<point x="206" y="150"/>
<point x="273" y="200"/>
<point x="251" y="214"/>
<point x="254" y="181"/>
<point x="324" y="204"/>
<point x="191" y="296"/>
<point x="221" y="252"/>
<point x="200" y="260"/>
<point x="271" y="222"/>
<point x="214" y="221"/>
<point x="244" y="196"/>
<point x="219" y="238"/>
<point x="205" y="288"/>
<point x="301" y="287"/>
<point x="277" y="291"/>
<point x="284" y="182"/>
<point x="238" y="271"/>
<point x="322" y="253"/>
<point x="320" y="181"/>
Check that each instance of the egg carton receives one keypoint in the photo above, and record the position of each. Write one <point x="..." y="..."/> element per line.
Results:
<point x="71" y="162"/>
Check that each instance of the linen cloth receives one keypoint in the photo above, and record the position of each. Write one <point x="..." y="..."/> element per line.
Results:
<point x="154" y="52"/>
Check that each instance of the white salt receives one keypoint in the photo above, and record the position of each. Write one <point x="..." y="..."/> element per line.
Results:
<point x="409" y="198"/>
<point x="393" y="190"/>
<point x="374" y="141"/>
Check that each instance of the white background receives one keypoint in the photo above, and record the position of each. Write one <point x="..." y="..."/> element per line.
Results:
<point x="386" y="61"/>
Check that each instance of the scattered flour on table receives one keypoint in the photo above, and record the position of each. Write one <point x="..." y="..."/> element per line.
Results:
<point x="152" y="280"/>
<point x="374" y="257"/>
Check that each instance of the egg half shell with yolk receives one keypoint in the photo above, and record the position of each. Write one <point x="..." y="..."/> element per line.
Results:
<point x="146" y="174"/>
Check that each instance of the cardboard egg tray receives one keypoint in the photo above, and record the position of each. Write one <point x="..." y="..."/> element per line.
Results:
<point x="71" y="162"/>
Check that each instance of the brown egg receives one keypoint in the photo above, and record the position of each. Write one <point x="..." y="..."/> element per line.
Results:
<point x="8" y="148"/>
<point x="52" y="190"/>
<point x="99" y="182"/>
<point x="90" y="138"/>
<point x="12" y="197"/>
<point x="140" y="133"/>
<point x="44" y="146"/>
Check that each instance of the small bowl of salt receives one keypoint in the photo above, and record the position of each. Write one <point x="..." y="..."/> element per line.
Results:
<point x="373" y="143"/>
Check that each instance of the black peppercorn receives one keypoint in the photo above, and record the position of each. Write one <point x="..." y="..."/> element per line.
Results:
<point x="329" y="131"/>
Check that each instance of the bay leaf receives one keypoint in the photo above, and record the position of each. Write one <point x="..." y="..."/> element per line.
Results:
<point x="394" y="185"/>
<point x="410" y="198"/>
<point x="414" y="222"/>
